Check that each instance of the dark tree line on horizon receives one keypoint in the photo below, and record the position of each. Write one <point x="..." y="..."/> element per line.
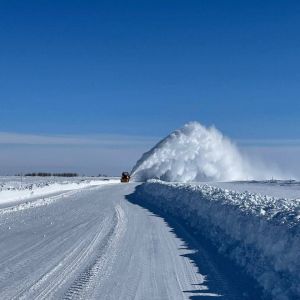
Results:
<point x="46" y="174"/>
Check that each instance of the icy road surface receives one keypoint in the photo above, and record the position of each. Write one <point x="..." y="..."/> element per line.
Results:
<point x="96" y="244"/>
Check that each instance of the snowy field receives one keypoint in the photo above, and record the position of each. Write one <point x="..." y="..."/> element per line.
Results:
<point x="190" y="230"/>
<point x="289" y="189"/>
<point x="95" y="243"/>
<point x="16" y="189"/>
<point x="87" y="238"/>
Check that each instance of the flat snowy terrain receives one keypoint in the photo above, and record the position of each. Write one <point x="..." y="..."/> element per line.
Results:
<point x="18" y="189"/>
<point x="275" y="188"/>
<point x="93" y="244"/>
<point x="106" y="240"/>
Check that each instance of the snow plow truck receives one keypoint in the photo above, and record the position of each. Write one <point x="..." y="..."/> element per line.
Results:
<point x="125" y="177"/>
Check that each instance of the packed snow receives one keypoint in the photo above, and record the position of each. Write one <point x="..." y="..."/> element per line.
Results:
<point x="289" y="189"/>
<point x="95" y="244"/>
<point x="197" y="153"/>
<point x="14" y="189"/>
<point x="260" y="233"/>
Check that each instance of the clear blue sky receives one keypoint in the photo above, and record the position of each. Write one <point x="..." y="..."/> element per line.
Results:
<point x="145" y="68"/>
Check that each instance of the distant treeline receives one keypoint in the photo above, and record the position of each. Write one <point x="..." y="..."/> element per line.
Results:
<point x="45" y="174"/>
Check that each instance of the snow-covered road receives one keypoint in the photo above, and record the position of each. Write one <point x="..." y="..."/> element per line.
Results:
<point x="96" y="243"/>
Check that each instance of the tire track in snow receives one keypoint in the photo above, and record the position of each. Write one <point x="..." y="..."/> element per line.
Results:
<point x="33" y="255"/>
<point x="56" y="276"/>
<point x="84" y="286"/>
<point x="36" y="246"/>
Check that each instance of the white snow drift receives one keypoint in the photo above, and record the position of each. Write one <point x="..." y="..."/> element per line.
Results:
<point x="260" y="233"/>
<point x="12" y="192"/>
<point x="196" y="153"/>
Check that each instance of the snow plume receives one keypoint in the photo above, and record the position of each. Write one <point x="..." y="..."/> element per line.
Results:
<point x="195" y="153"/>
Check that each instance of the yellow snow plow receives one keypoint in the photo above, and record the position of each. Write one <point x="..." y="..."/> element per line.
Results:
<point x="125" y="177"/>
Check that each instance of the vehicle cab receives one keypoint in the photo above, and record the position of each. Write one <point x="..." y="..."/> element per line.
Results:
<point x="125" y="177"/>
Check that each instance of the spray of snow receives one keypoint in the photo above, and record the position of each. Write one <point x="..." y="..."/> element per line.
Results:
<point x="196" y="153"/>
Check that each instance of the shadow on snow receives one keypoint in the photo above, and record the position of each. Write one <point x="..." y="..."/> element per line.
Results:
<point x="223" y="279"/>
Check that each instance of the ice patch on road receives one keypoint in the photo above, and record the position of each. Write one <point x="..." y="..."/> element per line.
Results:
<point x="197" y="153"/>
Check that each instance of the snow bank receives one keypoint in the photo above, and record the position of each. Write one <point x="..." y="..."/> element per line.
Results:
<point x="12" y="194"/>
<point x="196" y="153"/>
<point x="260" y="233"/>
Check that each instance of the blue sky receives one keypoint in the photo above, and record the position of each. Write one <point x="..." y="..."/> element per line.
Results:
<point x="140" y="69"/>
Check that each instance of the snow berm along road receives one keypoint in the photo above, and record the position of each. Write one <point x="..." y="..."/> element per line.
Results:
<point x="101" y="242"/>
